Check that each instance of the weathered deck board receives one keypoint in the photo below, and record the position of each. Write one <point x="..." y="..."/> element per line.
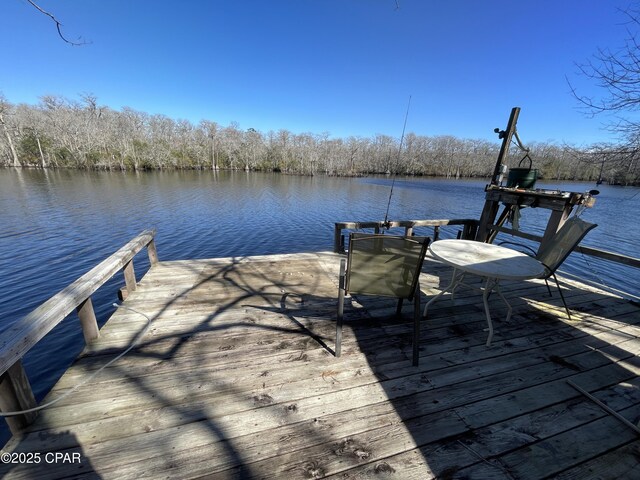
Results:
<point x="235" y="379"/>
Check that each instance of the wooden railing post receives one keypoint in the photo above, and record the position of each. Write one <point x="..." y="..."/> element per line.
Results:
<point x="337" y="239"/>
<point x="408" y="231"/>
<point x="487" y="218"/>
<point x="130" y="276"/>
<point x="152" y="252"/>
<point x="16" y="395"/>
<point x="468" y="231"/>
<point x="88" y="321"/>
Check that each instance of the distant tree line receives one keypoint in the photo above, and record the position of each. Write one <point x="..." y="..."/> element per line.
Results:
<point x="63" y="133"/>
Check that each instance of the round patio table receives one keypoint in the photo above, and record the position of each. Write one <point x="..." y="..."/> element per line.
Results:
<point x="486" y="260"/>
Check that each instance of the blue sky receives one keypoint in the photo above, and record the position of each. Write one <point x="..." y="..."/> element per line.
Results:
<point x="346" y="67"/>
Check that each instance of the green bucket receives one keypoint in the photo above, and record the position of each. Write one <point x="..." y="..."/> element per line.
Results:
<point x="520" y="177"/>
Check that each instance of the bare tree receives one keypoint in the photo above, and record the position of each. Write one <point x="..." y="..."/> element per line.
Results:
<point x="232" y="144"/>
<point x="210" y="130"/>
<point x="617" y="73"/>
<point x="4" y="108"/>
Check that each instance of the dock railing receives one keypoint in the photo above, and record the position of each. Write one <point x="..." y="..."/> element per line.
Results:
<point x="468" y="230"/>
<point x="19" y="338"/>
<point x="593" y="252"/>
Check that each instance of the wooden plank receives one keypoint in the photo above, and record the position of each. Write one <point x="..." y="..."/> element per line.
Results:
<point x="410" y="465"/>
<point x="618" y="464"/>
<point x="562" y="451"/>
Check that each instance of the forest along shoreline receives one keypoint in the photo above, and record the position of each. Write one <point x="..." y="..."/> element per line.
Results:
<point x="63" y="133"/>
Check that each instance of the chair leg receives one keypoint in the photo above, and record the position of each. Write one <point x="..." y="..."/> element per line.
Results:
<point x="416" y="326"/>
<point x="341" y="293"/>
<point x="339" y="322"/>
<point x="485" y="295"/>
<point x="546" y="281"/>
<point x="562" y="296"/>
<point x="399" y="307"/>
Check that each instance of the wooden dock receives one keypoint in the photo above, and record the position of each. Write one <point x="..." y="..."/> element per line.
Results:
<point x="235" y="378"/>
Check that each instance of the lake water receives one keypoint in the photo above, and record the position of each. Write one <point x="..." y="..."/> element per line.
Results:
<point x="56" y="225"/>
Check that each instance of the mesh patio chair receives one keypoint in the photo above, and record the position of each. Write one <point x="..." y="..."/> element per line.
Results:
<point x="384" y="265"/>
<point x="556" y="251"/>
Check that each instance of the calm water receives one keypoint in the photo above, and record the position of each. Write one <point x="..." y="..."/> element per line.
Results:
<point x="55" y="226"/>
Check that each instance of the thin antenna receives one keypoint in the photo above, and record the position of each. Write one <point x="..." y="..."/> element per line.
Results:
<point x="404" y="127"/>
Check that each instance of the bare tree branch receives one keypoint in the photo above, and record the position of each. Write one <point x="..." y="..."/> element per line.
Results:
<point x="617" y="73"/>
<point x="58" y="25"/>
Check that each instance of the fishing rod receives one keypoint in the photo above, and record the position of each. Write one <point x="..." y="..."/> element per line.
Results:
<point x="404" y="127"/>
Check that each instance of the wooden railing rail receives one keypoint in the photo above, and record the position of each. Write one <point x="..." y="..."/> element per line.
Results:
<point x="593" y="252"/>
<point x="610" y="256"/>
<point x="19" y="338"/>
<point x="470" y="225"/>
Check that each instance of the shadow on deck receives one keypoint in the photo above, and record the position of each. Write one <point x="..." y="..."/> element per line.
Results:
<point x="235" y="378"/>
